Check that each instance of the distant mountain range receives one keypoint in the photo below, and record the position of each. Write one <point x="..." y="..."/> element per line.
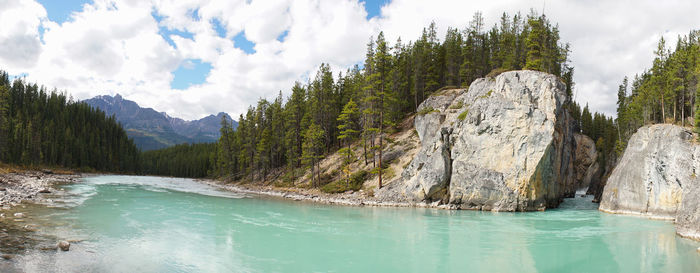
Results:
<point x="153" y="130"/>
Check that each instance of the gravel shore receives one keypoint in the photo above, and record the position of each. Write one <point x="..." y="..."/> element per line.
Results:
<point x="29" y="185"/>
<point x="349" y="198"/>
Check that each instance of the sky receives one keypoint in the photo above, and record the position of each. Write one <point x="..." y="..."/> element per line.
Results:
<point x="192" y="58"/>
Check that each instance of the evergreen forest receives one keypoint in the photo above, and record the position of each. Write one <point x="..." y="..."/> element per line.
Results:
<point x="361" y="105"/>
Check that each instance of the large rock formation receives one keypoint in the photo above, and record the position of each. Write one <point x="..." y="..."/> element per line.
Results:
<point x="586" y="168"/>
<point x="506" y="144"/>
<point x="657" y="177"/>
<point x="688" y="217"/>
<point x="650" y="177"/>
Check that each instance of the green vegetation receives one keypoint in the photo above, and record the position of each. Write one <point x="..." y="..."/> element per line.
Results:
<point x="494" y="73"/>
<point x="183" y="160"/>
<point x="286" y="137"/>
<point x="41" y="128"/>
<point x="666" y="93"/>
<point x="349" y="124"/>
<point x="394" y="80"/>
<point x="463" y="115"/>
<point x="427" y="110"/>
<point x="353" y="183"/>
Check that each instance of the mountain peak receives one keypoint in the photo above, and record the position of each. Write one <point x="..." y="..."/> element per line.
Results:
<point x="151" y="129"/>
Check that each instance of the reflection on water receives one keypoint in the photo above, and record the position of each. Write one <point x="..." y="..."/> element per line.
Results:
<point x="149" y="224"/>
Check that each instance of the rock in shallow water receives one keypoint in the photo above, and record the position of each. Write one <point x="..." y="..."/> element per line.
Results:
<point x="63" y="245"/>
<point x="506" y="144"/>
<point x="657" y="165"/>
<point x="657" y="177"/>
<point x="688" y="217"/>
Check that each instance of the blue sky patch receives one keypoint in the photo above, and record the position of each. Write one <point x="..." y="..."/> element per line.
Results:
<point x="374" y="7"/>
<point x="241" y="42"/>
<point x="191" y="72"/>
<point x="219" y="28"/>
<point x="195" y="14"/>
<point x="282" y="36"/>
<point x="165" y="32"/>
<point x="59" y="11"/>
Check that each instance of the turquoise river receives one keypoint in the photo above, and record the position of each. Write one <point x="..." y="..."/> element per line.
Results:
<point x="152" y="224"/>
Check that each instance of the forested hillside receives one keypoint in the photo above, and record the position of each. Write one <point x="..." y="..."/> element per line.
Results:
<point x="364" y="103"/>
<point x="42" y="128"/>
<point x="182" y="160"/>
<point x="665" y="93"/>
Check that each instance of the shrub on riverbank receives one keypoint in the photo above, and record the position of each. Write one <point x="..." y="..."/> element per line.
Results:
<point x="343" y="185"/>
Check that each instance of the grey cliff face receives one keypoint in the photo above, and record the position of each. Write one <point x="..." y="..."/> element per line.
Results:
<point x="586" y="167"/>
<point x="506" y="144"/>
<point x="688" y="217"/>
<point x="657" y="177"/>
<point x="649" y="179"/>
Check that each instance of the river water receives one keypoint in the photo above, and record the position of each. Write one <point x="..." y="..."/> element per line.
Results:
<point x="152" y="224"/>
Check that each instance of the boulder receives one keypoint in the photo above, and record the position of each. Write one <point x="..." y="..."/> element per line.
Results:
<point x="506" y="144"/>
<point x="688" y="217"/>
<point x="658" y="164"/>
<point x="63" y="245"/>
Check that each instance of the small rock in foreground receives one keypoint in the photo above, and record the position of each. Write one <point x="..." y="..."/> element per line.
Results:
<point x="45" y="191"/>
<point x="7" y="256"/>
<point x="63" y="245"/>
<point x="19" y="215"/>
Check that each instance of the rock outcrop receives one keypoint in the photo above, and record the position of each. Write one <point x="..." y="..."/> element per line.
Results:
<point x="688" y="217"/>
<point x="506" y="144"/>
<point x="657" y="177"/>
<point x="63" y="245"/>
<point x="649" y="179"/>
<point x="586" y="168"/>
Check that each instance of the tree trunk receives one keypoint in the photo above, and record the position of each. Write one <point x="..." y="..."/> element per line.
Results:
<point x="663" y="112"/>
<point x="683" y="108"/>
<point x="381" y="137"/>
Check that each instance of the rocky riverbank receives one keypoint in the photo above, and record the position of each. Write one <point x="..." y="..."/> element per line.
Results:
<point x="349" y="198"/>
<point x="16" y="187"/>
<point x="16" y="234"/>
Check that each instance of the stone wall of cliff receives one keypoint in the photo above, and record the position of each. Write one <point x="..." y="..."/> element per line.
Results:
<point x="506" y="144"/>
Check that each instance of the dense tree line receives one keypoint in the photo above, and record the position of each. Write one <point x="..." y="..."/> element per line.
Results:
<point x="42" y="128"/>
<point x="665" y="93"/>
<point x="183" y="160"/>
<point x="600" y="128"/>
<point x="364" y="103"/>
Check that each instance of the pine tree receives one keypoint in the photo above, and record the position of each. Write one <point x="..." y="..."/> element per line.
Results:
<point x="535" y="44"/>
<point x="4" y="119"/>
<point x="312" y="151"/>
<point x="348" y="132"/>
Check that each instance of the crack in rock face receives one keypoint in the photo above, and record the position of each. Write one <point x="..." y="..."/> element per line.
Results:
<point x="445" y="133"/>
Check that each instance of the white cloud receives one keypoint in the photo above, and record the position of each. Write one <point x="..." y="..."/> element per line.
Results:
<point x="114" y="47"/>
<point x="19" y="35"/>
